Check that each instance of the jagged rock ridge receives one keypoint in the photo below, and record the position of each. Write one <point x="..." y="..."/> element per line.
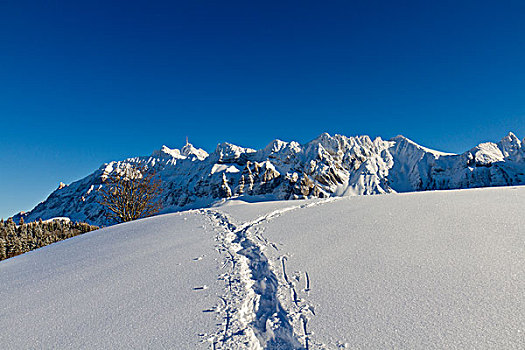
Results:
<point x="327" y="166"/>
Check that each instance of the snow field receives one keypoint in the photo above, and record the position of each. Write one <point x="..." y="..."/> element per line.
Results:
<point x="428" y="270"/>
<point x="147" y="284"/>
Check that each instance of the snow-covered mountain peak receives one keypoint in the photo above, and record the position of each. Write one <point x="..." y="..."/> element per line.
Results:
<point x="487" y="153"/>
<point x="510" y="146"/>
<point x="404" y="139"/>
<point x="511" y="137"/>
<point x="325" y="144"/>
<point x="324" y="137"/>
<point x="279" y="151"/>
<point x="275" y="146"/>
<point x="227" y="152"/>
<point x="400" y="139"/>
<point x="327" y="141"/>
<point x="165" y="151"/>
<point x="189" y="150"/>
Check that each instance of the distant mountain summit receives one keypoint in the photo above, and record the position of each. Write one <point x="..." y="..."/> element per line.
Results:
<point x="326" y="166"/>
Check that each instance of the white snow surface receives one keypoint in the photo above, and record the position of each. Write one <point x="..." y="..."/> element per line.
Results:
<point x="145" y="284"/>
<point x="428" y="270"/>
<point x="435" y="270"/>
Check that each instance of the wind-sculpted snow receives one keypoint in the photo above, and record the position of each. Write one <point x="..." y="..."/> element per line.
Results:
<point x="325" y="167"/>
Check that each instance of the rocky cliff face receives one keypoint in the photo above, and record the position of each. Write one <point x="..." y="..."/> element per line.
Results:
<point x="327" y="166"/>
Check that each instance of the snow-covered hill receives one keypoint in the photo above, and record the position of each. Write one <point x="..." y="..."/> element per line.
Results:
<point x="432" y="270"/>
<point x="325" y="167"/>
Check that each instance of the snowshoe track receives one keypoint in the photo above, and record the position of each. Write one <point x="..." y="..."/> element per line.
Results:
<point x="253" y="313"/>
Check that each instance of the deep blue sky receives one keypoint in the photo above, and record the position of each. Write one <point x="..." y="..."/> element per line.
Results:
<point x="83" y="83"/>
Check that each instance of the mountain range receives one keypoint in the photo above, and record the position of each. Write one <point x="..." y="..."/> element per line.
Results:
<point x="324" y="167"/>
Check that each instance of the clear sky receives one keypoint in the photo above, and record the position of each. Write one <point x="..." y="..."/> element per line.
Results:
<point x="87" y="82"/>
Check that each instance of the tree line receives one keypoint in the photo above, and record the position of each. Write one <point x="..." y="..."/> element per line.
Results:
<point x="18" y="239"/>
<point x="130" y="193"/>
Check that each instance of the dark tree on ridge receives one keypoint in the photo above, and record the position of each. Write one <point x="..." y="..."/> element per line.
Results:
<point x="131" y="193"/>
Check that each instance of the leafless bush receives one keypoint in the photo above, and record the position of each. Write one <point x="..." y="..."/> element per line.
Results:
<point x="131" y="193"/>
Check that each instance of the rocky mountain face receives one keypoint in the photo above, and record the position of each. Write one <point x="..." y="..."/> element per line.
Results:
<point x="327" y="166"/>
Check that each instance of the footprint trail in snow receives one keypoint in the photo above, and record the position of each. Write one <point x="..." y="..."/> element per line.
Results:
<point x="262" y="308"/>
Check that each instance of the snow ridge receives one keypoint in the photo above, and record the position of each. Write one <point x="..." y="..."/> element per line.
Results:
<point x="324" y="167"/>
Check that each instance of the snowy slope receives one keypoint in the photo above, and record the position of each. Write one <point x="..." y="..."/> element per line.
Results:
<point x="133" y="285"/>
<point x="429" y="270"/>
<point x="440" y="270"/>
<point x="325" y="167"/>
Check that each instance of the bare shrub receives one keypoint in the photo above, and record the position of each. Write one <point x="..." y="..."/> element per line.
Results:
<point x="131" y="193"/>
